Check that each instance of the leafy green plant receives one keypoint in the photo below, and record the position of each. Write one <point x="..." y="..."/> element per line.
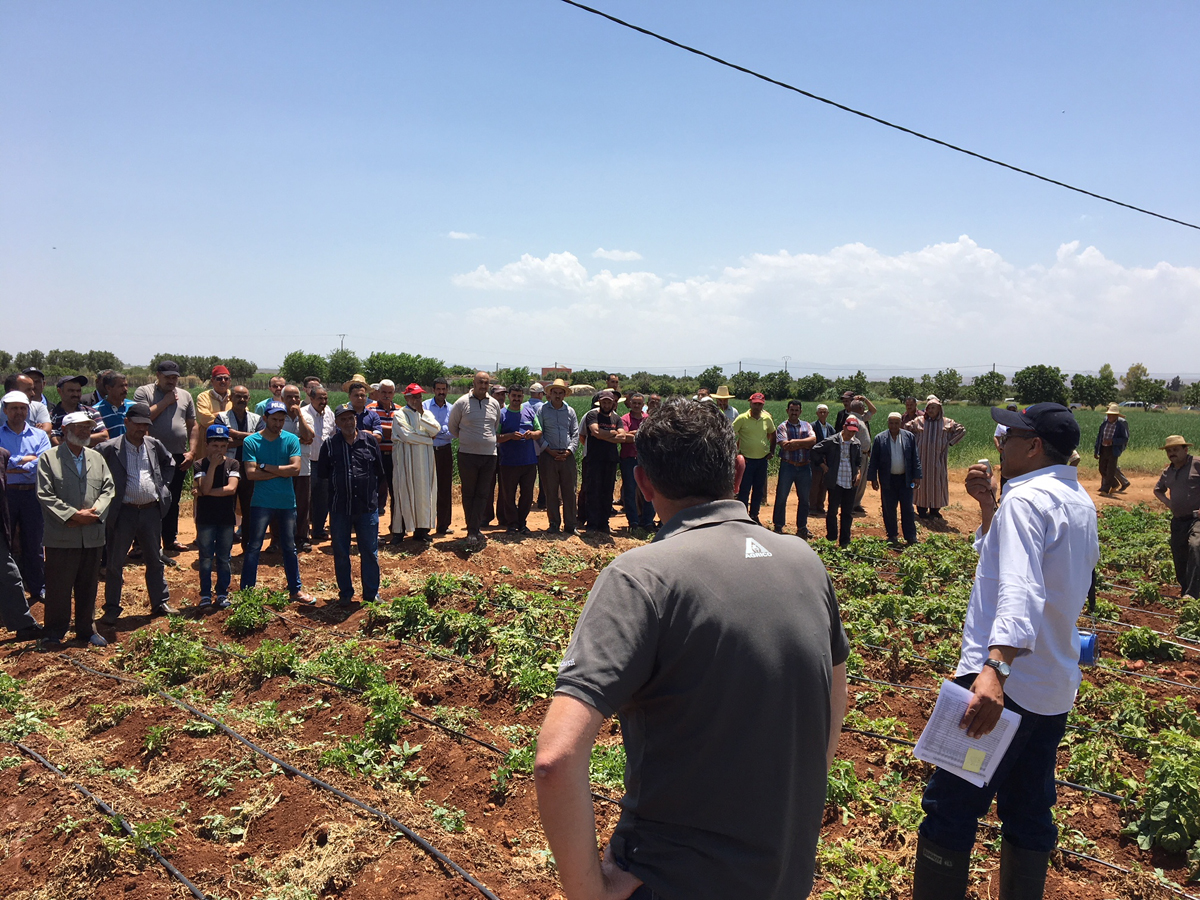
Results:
<point x="842" y="787"/>
<point x="170" y="657"/>
<point x="1095" y="763"/>
<point x="1171" y="798"/>
<point x="156" y="740"/>
<point x="607" y="766"/>
<point x="70" y="825"/>
<point x="1188" y="626"/>
<point x="217" y="827"/>
<point x="556" y="562"/>
<point x="272" y="658"/>
<point x="451" y="818"/>
<point x="223" y="776"/>
<point x="9" y="762"/>
<point x="1143" y="643"/>
<point x="348" y="664"/>
<point x="199" y="728"/>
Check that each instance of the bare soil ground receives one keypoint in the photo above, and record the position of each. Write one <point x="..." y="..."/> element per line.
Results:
<point x="50" y="837"/>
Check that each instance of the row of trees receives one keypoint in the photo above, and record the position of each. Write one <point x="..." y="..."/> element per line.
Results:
<point x="202" y="366"/>
<point x="338" y="366"/>
<point x="57" y="363"/>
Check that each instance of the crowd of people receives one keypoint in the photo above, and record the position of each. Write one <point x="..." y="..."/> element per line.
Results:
<point x="289" y="467"/>
<point x="664" y="641"/>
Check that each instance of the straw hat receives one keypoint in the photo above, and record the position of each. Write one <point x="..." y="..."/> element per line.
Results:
<point x="1113" y="410"/>
<point x="559" y="383"/>
<point x="1175" y="440"/>
<point x="722" y="393"/>
<point x="356" y="379"/>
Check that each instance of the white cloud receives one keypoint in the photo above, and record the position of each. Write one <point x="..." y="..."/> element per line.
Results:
<point x="462" y="236"/>
<point x="616" y="255"/>
<point x="953" y="303"/>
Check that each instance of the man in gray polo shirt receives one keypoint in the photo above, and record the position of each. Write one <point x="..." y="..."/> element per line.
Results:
<point x="719" y="647"/>
<point x="173" y="416"/>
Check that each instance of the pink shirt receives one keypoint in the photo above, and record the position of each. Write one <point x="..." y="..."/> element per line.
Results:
<point x="629" y="451"/>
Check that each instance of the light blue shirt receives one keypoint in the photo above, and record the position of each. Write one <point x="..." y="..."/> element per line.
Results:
<point x="442" y="414"/>
<point x="560" y="427"/>
<point x="30" y="442"/>
<point x="1035" y="568"/>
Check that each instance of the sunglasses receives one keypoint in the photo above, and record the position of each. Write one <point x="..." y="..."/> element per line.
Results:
<point x="1021" y="433"/>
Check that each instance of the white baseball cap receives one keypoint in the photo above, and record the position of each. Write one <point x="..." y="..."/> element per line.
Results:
<point x="15" y="397"/>
<point x="76" y="417"/>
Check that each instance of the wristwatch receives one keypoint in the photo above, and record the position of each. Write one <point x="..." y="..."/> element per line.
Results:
<point x="1000" y="666"/>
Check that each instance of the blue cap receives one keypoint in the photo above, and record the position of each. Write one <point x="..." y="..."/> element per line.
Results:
<point x="273" y="406"/>
<point x="344" y="408"/>
<point x="217" y="432"/>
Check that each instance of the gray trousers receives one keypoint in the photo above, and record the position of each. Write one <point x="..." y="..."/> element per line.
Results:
<point x="71" y="570"/>
<point x="14" y="609"/>
<point x="558" y="478"/>
<point x="146" y="525"/>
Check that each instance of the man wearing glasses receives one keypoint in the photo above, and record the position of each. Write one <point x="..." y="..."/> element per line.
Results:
<point x="1020" y="650"/>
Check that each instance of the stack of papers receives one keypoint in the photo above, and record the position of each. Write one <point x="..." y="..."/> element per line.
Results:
<point x="948" y="746"/>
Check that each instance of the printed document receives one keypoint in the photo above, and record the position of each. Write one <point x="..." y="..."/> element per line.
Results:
<point x="949" y="747"/>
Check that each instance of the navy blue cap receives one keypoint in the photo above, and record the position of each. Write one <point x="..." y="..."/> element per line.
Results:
<point x="1052" y="422"/>
<point x="273" y="406"/>
<point x="344" y="408"/>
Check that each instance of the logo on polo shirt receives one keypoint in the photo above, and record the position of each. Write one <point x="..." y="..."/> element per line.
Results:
<point x="755" y="550"/>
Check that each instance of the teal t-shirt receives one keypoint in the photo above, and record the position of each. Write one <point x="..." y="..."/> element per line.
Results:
<point x="274" y="493"/>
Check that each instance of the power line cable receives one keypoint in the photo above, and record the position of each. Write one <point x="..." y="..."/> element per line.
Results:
<point x="865" y="115"/>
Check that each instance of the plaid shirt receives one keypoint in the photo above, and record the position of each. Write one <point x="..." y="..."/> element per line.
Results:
<point x="789" y="432"/>
<point x="845" y="475"/>
<point x="1107" y="432"/>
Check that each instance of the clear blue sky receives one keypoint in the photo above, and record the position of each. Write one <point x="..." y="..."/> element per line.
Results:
<point x="248" y="179"/>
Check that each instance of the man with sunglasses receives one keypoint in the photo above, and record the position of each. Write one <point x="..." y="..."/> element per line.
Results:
<point x="212" y="403"/>
<point x="1020" y="650"/>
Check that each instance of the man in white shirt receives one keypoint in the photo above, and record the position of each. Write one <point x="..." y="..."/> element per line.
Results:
<point x="443" y="457"/>
<point x="1020" y="650"/>
<point x="320" y="419"/>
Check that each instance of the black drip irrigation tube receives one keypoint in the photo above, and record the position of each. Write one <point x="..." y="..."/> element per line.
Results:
<point x="313" y="780"/>
<point x="906" y="687"/>
<point x="125" y="826"/>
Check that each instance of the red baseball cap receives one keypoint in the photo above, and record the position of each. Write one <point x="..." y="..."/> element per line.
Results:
<point x="413" y="389"/>
<point x="757" y="398"/>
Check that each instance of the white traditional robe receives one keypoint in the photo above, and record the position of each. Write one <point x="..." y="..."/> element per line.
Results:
<point x="414" y="479"/>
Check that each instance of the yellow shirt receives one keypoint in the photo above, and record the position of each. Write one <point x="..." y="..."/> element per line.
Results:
<point x="208" y="404"/>
<point x="754" y="435"/>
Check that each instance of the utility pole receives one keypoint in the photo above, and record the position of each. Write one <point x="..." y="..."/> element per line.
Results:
<point x="343" y="337"/>
<point x="785" y="362"/>
<point x="739" y="367"/>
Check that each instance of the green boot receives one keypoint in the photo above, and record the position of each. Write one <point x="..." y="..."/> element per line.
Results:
<point x="1022" y="872"/>
<point x="940" y="874"/>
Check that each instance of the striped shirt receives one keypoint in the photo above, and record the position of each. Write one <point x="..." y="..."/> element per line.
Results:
<point x="845" y="475"/>
<point x="113" y="416"/>
<point x="385" y="417"/>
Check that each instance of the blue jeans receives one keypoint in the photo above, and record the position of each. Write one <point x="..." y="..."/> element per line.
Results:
<point x="629" y="495"/>
<point x="215" y="542"/>
<point x="254" y="529"/>
<point x="800" y="476"/>
<point x="366" y="530"/>
<point x="1023" y="787"/>
<point x="754" y="478"/>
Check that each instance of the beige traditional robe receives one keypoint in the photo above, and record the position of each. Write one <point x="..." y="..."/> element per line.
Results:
<point x="414" y="479"/>
<point x="934" y="437"/>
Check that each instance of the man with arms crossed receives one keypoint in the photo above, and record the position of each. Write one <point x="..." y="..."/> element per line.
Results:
<point x="1020" y="650"/>
<point x="673" y="639"/>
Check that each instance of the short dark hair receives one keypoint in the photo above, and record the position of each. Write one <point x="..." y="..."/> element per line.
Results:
<point x="635" y="394"/>
<point x="311" y="378"/>
<point x="1055" y="455"/>
<point x="913" y="399"/>
<point x="441" y="379"/>
<point x="10" y="381"/>
<point x="520" y="388"/>
<point x="792" y="403"/>
<point x="688" y="450"/>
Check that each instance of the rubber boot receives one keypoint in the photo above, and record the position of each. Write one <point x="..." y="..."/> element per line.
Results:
<point x="1022" y="872"/>
<point x="940" y="874"/>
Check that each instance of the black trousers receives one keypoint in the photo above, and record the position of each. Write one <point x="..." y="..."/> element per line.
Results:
<point x="443" y="462"/>
<point x="1185" y="551"/>
<point x="599" y="480"/>
<point x="477" y="476"/>
<point x="385" y="484"/>
<point x="170" y="522"/>
<point x="840" y="500"/>
<point x="512" y="479"/>
<point x="319" y="489"/>
<point x="893" y="490"/>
